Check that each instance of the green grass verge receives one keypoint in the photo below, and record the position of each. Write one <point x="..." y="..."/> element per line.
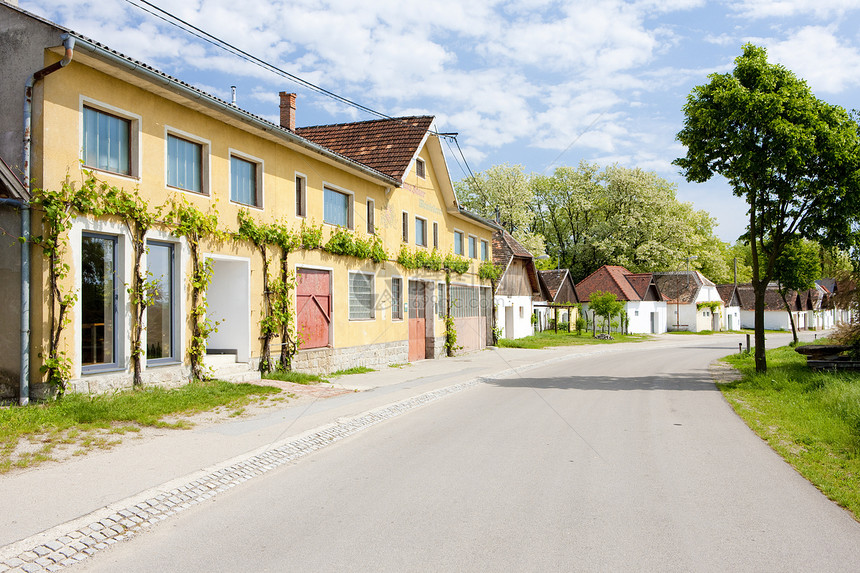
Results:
<point x="353" y="370"/>
<point x="812" y="419"/>
<point x="302" y="378"/>
<point x="550" y="338"/>
<point x="74" y="418"/>
<point x="296" y="377"/>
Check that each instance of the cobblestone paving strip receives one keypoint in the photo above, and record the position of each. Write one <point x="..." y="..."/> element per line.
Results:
<point x="112" y="526"/>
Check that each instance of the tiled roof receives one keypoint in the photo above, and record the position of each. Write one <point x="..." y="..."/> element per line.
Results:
<point x="224" y="105"/>
<point x="726" y="292"/>
<point x="681" y="286"/>
<point x="772" y="299"/>
<point x="387" y="145"/>
<point x="640" y="282"/>
<point x="615" y="279"/>
<point x="505" y="247"/>
<point x="552" y="280"/>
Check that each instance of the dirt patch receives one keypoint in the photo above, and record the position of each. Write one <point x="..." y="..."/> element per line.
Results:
<point x="723" y="373"/>
<point x="59" y="446"/>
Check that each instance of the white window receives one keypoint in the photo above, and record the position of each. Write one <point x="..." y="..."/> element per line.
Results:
<point x="473" y="247"/>
<point x="458" y="242"/>
<point x="405" y="227"/>
<point x="361" y="296"/>
<point x="522" y="312"/>
<point x="420" y="168"/>
<point x="420" y="232"/>
<point x="187" y="163"/>
<point x="245" y="181"/>
<point x="301" y="196"/>
<point x="337" y="208"/>
<point x="485" y="250"/>
<point x="109" y="141"/>
<point x="371" y="217"/>
<point x="99" y="294"/>
<point x="435" y="235"/>
<point x="396" y="298"/>
<point x="161" y="313"/>
<point x="440" y="300"/>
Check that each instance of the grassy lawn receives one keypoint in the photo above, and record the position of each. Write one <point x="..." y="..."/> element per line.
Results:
<point x="549" y="338"/>
<point x="29" y="434"/>
<point x="812" y="419"/>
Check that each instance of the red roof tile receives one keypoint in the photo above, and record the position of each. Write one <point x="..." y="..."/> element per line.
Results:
<point x="615" y="279"/>
<point x="387" y="145"/>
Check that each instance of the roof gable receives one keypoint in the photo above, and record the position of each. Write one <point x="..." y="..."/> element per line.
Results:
<point x="506" y="249"/>
<point x="386" y="145"/>
<point x="681" y="287"/>
<point x="10" y="185"/>
<point x="559" y="285"/>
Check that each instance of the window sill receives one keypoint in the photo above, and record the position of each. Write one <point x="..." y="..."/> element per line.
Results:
<point x="168" y="362"/>
<point x="95" y="370"/>
<point x="128" y="176"/>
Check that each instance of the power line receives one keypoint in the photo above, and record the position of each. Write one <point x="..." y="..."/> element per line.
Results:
<point x="201" y="34"/>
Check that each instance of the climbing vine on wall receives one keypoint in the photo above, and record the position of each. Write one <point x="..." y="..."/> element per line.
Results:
<point x="58" y="208"/>
<point x="133" y="210"/>
<point x="713" y="305"/>
<point x="183" y="219"/>
<point x="195" y="225"/>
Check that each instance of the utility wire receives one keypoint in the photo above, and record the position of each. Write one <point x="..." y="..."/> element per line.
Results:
<point x="575" y="139"/>
<point x="197" y="32"/>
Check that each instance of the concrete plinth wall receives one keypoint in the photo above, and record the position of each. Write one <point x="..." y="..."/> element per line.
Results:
<point x="161" y="376"/>
<point x="328" y="360"/>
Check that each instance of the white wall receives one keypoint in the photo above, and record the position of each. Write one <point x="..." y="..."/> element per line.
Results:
<point x="640" y="316"/>
<point x="735" y="313"/>
<point x="773" y="320"/>
<point x="522" y="315"/>
<point x="229" y="300"/>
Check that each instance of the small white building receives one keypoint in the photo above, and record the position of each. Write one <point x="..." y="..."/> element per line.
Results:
<point x="776" y="317"/>
<point x="642" y="300"/>
<point x="693" y="302"/>
<point x="731" y="306"/>
<point x="517" y="288"/>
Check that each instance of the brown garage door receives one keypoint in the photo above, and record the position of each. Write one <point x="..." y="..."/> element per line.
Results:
<point x="313" y="299"/>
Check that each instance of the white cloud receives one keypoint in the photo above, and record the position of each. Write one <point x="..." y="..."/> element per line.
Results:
<point x="817" y="55"/>
<point x="788" y="8"/>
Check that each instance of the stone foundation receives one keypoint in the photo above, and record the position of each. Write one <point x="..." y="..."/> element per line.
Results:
<point x="328" y="360"/>
<point x="436" y="347"/>
<point x="171" y="376"/>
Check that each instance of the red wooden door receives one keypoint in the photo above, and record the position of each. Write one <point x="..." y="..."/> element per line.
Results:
<point x="417" y="321"/>
<point x="313" y="299"/>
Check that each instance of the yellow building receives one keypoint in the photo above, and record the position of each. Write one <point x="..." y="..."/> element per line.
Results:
<point x="96" y="111"/>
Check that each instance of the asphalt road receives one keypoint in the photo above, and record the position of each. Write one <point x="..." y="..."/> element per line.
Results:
<point x="616" y="462"/>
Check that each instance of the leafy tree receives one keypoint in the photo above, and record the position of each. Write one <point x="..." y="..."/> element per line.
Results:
<point x="503" y="190"/>
<point x="624" y="216"/>
<point x="605" y="305"/>
<point x="791" y="156"/>
<point x="796" y="270"/>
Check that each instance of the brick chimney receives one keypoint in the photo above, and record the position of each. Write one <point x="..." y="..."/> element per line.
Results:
<point x="288" y="111"/>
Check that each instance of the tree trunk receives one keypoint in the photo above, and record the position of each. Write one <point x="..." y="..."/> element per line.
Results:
<point x="265" y="351"/>
<point x="790" y="316"/>
<point x="759" y="288"/>
<point x="288" y="345"/>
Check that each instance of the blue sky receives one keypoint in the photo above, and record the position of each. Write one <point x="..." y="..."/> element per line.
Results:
<point x="533" y="82"/>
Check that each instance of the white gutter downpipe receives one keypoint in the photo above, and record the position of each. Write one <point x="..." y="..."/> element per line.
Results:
<point x="24" y="384"/>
